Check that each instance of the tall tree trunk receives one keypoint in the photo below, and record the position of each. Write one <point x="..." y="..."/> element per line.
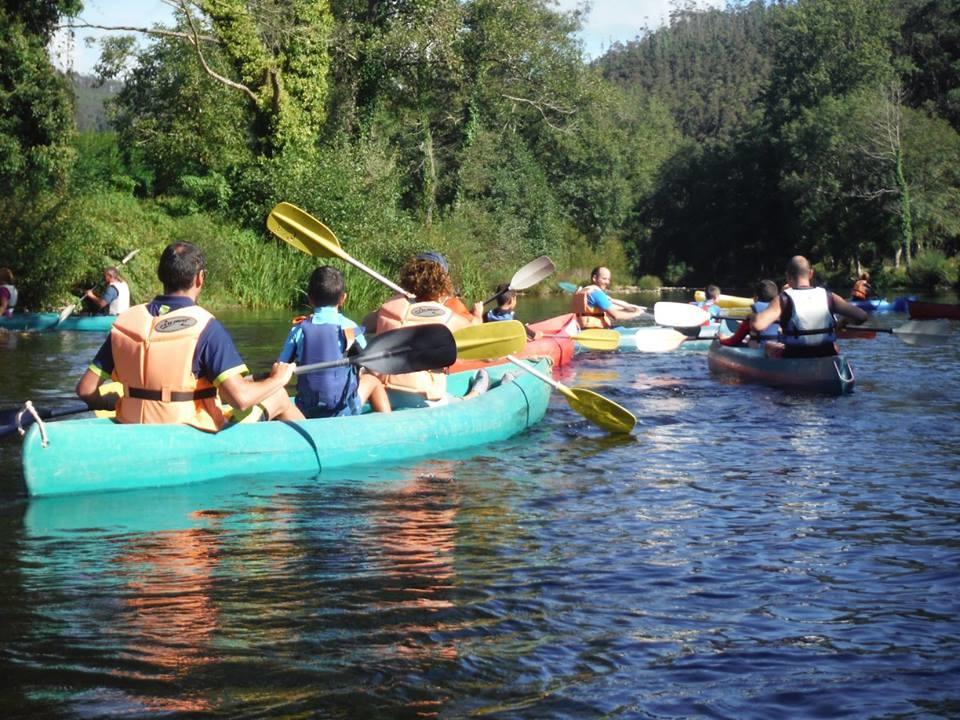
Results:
<point x="429" y="172"/>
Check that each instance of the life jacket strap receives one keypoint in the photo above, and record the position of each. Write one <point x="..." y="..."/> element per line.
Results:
<point x="171" y="395"/>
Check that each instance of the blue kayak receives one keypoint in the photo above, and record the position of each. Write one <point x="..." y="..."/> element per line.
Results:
<point x="39" y="322"/>
<point x="829" y="375"/>
<point x="882" y="305"/>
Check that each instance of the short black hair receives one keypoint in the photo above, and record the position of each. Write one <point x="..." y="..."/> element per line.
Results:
<point x="766" y="290"/>
<point x="504" y="294"/>
<point x="179" y="265"/>
<point x="326" y="286"/>
<point x="712" y="292"/>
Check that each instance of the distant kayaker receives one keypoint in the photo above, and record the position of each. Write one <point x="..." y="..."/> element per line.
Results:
<point x="805" y="314"/>
<point x="861" y="288"/>
<point x="116" y="295"/>
<point x="594" y="308"/>
<point x="711" y="303"/>
<point x="8" y="293"/>
<point x="174" y="359"/>
<point x="428" y="279"/>
<point x="764" y="294"/>
<point x="325" y="335"/>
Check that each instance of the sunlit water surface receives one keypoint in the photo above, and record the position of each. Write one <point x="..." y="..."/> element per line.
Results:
<point x="747" y="553"/>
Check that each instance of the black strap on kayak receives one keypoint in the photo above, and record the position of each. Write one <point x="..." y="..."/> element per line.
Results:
<point x="172" y="395"/>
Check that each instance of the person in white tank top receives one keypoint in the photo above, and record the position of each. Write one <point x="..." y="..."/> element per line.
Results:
<point x="8" y="293"/>
<point x="116" y="296"/>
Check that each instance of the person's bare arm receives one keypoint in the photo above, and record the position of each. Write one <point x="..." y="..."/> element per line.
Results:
<point x="842" y="307"/>
<point x="95" y="299"/>
<point x="770" y="314"/>
<point x="621" y="313"/>
<point x="88" y="390"/>
<point x="243" y="393"/>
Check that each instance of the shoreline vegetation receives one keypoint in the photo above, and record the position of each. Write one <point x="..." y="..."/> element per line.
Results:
<point x="709" y="150"/>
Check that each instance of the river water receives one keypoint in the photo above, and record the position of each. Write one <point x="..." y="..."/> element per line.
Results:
<point x="746" y="553"/>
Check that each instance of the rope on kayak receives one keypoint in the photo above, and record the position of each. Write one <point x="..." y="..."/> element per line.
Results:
<point x="28" y="407"/>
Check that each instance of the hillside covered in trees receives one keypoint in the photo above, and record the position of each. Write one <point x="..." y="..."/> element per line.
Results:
<point x="710" y="149"/>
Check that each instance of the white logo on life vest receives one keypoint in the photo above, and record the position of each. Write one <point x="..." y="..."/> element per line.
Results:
<point x="174" y="324"/>
<point x="427" y="312"/>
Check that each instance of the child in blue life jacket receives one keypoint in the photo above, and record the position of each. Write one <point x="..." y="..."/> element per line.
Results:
<point x="326" y="335"/>
<point x="764" y="294"/>
<point x="712" y="302"/>
<point x="506" y="305"/>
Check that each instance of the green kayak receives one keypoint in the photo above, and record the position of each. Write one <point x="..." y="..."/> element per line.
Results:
<point x="33" y="322"/>
<point x="93" y="454"/>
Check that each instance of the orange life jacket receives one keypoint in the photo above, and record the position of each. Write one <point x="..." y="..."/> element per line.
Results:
<point x="588" y="317"/>
<point x="861" y="288"/>
<point x="400" y="312"/>
<point x="153" y="358"/>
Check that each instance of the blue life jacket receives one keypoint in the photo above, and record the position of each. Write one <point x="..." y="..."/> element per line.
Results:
<point x="496" y="315"/>
<point x="329" y="392"/>
<point x="772" y="332"/>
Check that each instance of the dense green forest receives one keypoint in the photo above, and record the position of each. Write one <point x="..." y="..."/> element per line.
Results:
<point x="710" y="149"/>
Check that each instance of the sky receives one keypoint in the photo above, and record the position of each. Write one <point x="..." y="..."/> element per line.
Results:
<point x="608" y="21"/>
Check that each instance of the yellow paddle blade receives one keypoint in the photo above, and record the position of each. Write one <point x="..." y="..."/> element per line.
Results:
<point x="490" y="340"/>
<point x="598" y="339"/>
<point x="599" y="410"/>
<point x="300" y="229"/>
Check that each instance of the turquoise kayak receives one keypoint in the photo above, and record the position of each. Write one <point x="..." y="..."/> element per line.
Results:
<point x="828" y="375"/>
<point x="632" y="337"/>
<point x="34" y="322"/>
<point x="90" y="455"/>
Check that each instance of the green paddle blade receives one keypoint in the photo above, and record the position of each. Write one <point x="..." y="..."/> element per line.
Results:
<point x="490" y="340"/>
<point x="598" y="339"/>
<point x="567" y="287"/>
<point x="671" y="314"/>
<point x="601" y="411"/>
<point x="303" y="231"/>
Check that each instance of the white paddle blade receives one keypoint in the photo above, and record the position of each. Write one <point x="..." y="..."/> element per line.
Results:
<point x="671" y="314"/>
<point x="66" y="312"/>
<point x="658" y="339"/>
<point x="532" y="273"/>
<point x="924" y="332"/>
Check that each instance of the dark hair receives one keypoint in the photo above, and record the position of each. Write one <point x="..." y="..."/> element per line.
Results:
<point x="326" y="286"/>
<point x="179" y="266"/>
<point x="504" y="294"/>
<point x="593" y="273"/>
<point x="712" y="292"/>
<point x="6" y="276"/>
<point x="766" y="290"/>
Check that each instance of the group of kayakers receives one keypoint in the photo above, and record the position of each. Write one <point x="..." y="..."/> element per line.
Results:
<point x="797" y="321"/>
<point x="175" y="360"/>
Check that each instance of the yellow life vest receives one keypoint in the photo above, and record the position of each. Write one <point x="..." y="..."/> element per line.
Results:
<point x="588" y="317"/>
<point x="400" y="312"/>
<point x="153" y="359"/>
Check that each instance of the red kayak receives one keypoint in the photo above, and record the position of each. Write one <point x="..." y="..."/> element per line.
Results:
<point x="932" y="311"/>
<point x="559" y="346"/>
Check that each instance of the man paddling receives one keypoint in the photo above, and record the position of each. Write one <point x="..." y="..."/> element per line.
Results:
<point x="116" y="295"/>
<point x="594" y="308"/>
<point x="805" y="314"/>
<point x="174" y="358"/>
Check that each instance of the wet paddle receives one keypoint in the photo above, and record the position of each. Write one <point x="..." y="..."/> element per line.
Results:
<point x="304" y="232"/>
<point x="679" y="315"/>
<point x="529" y="275"/>
<point x="490" y="340"/>
<point x="570" y="288"/>
<point x="601" y="411"/>
<point x="913" y="332"/>
<point x="596" y="339"/>
<point x="658" y="339"/>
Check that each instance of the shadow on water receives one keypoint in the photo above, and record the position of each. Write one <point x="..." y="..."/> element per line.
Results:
<point x="746" y="553"/>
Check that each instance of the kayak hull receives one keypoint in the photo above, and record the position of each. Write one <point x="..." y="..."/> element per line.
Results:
<point x="725" y="301"/>
<point x="634" y="338"/>
<point x="932" y="311"/>
<point x="827" y="375"/>
<point x="559" y="348"/>
<point x="38" y="322"/>
<point x="882" y="305"/>
<point x="93" y="455"/>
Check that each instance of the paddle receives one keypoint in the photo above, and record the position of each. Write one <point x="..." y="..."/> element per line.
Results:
<point x="570" y="288"/>
<point x="300" y="229"/>
<point x="489" y="340"/>
<point x="683" y="315"/>
<point x="529" y="275"/>
<point x="599" y="410"/>
<point x="661" y="339"/>
<point x="596" y="339"/>
<point x="913" y="332"/>
<point x="67" y="310"/>
<point x="8" y="418"/>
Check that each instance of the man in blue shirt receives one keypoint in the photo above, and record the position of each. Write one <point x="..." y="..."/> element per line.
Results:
<point x="174" y="358"/>
<point x="594" y="308"/>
